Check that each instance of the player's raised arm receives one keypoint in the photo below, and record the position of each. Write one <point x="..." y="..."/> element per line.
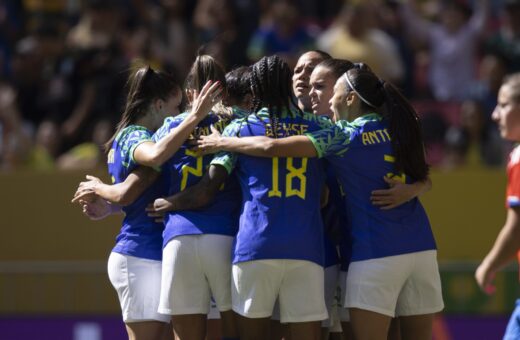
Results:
<point x="155" y="154"/>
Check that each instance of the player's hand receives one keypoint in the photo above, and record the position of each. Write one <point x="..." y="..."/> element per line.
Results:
<point x="158" y="208"/>
<point x="397" y="194"/>
<point x="210" y="143"/>
<point x="204" y="101"/>
<point x="87" y="190"/>
<point x="96" y="209"/>
<point x="485" y="277"/>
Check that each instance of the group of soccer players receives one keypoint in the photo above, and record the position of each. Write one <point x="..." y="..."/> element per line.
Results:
<point x="312" y="190"/>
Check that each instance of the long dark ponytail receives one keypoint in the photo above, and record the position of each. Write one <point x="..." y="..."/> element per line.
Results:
<point x="403" y="122"/>
<point x="144" y="87"/>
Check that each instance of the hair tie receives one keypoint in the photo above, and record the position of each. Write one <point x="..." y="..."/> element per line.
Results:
<point x="359" y="95"/>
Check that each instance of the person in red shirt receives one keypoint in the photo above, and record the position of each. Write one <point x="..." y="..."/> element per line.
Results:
<point x="507" y="244"/>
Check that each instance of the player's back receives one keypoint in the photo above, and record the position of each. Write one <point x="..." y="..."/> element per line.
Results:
<point x="185" y="169"/>
<point x="281" y="196"/>
<point x="367" y="159"/>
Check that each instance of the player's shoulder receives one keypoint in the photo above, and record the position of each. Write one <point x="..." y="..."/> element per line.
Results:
<point x="321" y="121"/>
<point x="514" y="157"/>
<point x="133" y="133"/>
<point x="175" y="120"/>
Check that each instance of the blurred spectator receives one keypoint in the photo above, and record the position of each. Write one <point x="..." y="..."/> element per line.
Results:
<point x="473" y="142"/>
<point x="98" y="75"/>
<point x="10" y="30"/>
<point x="354" y="37"/>
<point x="171" y="35"/>
<point x="452" y="44"/>
<point x="88" y="155"/>
<point x="391" y="21"/>
<point x="215" y="23"/>
<point x="282" y="33"/>
<point x="67" y="83"/>
<point x="15" y="140"/>
<point x="492" y="70"/>
<point x="477" y="139"/>
<point x="506" y="42"/>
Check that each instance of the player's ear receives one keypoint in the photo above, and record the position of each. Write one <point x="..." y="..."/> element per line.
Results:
<point x="351" y="98"/>
<point x="190" y="95"/>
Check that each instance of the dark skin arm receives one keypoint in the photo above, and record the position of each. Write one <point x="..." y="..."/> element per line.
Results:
<point x="194" y="197"/>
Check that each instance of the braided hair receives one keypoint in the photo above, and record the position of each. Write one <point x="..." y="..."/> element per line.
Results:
<point x="404" y="125"/>
<point x="271" y="88"/>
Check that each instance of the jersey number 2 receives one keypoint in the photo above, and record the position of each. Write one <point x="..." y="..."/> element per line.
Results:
<point x="187" y="170"/>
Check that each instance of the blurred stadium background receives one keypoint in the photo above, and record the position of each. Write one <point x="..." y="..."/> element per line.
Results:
<point x="63" y="64"/>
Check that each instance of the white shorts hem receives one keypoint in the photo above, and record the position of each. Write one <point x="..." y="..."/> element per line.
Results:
<point x="167" y="319"/>
<point x="225" y="309"/>
<point x="372" y="309"/>
<point x="422" y="311"/>
<point x="307" y="318"/>
<point x="251" y="315"/>
<point x="188" y="311"/>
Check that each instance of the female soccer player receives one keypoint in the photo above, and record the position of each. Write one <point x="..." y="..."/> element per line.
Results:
<point x="208" y="232"/>
<point x="197" y="243"/>
<point x="507" y="244"/>
<point x="134" y="266"/>
<point x="301" y="76"/>
<point x="322" y="81"/>
<point x="267" y="265"/>
<point x="393" y="251"/>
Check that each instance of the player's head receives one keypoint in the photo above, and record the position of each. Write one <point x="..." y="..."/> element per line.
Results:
<point x="239" y="88"/>
<point x="322" y="81"/>
<point x="348" y="104"/>
<point x="302" y="73"/>
<point x="507" y="111"/>
<point x="271" y="85"/>
<point x="359" y="91"/>
<point x="204" y="68"/>
<point x="151" y="94"/>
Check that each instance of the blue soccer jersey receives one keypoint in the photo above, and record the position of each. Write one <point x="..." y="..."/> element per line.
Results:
<point x="334" y="217"/>
<point x="185" y="169"/>
<point x="280" y="216"/>
<point x="361" y="153"/>
<point x="140" y="235"/>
